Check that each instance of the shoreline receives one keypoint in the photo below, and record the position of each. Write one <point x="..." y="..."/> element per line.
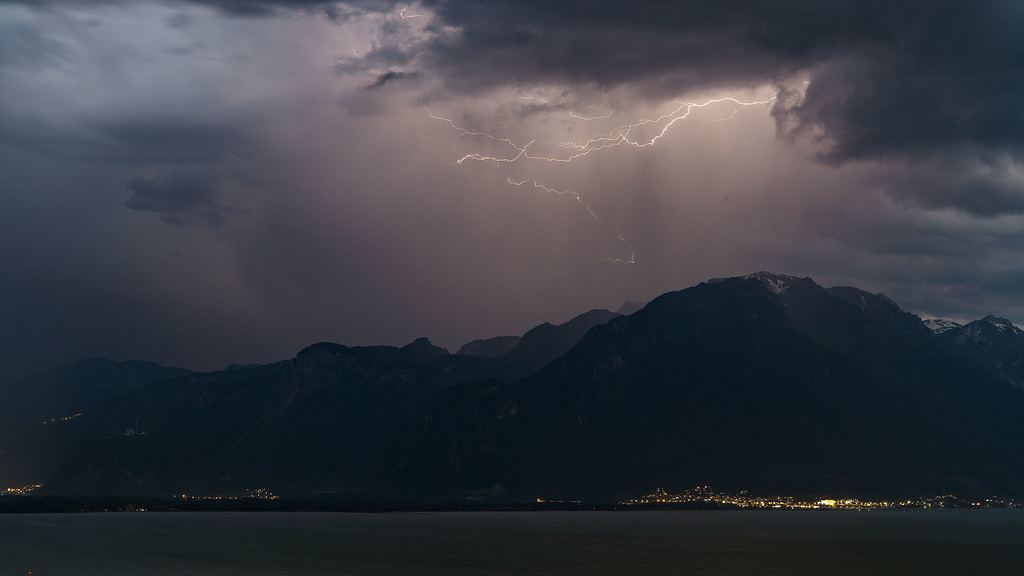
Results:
<point x="78" y="505"/>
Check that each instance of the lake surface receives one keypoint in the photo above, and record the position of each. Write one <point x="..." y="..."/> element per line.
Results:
<point x="642" y="543"/>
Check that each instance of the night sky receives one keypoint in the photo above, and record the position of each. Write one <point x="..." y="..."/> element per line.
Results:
<point x="212" y="182"/>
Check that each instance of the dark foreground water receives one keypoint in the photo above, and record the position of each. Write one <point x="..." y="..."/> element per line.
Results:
<point x="953" y="542"/>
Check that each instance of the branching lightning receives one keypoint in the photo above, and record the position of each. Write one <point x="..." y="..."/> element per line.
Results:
<point x="632" y="253"/>
<point x="517" y="153"/>
<point x="581" y="202"/>
<point x="624" y="135"/>
<point x="617" y="137"/>
<point x="465" y="132"/>
<point x="621" y="136"/>
<point x="575" y="195"/>
<point x="589" y="118"/>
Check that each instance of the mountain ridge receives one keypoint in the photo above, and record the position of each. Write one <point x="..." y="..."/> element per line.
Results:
<point x="760" y="382"/>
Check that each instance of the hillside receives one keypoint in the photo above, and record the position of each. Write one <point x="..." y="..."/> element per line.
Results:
<point x="765" y="383"/>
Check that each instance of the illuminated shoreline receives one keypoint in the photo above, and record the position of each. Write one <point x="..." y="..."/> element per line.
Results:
<point x="707" y="495"/>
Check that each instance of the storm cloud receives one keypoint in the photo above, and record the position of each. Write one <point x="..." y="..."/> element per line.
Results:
<point x="392" y="76"/>
<point x="911" y="80"/>
<point x="234" y="179"/>
<point x="183" y="198"/>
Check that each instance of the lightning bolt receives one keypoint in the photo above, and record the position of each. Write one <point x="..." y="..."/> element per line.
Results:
<point x="621" y="136"/>
<point x="579" y="199"/>
<point x="632" y="253"/>
<point x="617" y="137"/>
<point x="589" y="118"/>
<point x="581" y="202"/>
<point x="515" y="153"/>
<point x="406" y="17"/>
<point x="465" y="132"/>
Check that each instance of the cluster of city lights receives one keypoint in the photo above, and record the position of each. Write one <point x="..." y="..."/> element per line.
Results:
<point x="21" y="490"/>
<point x="705" y="495"/>
<point x="250" y="493"/>
<point x="64" y="419"/>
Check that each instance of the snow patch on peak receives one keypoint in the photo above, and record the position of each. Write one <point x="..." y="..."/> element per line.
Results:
<point x="1000" y="323"/>
<point x="777" y="283"/>
<point x="940" y="325"/>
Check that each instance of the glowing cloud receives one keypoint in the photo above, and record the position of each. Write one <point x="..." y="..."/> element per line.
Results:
<point x="623" y="135"/>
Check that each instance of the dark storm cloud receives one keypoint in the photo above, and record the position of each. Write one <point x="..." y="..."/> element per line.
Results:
<point x="234" y="7"/>
<point x="392" y="76"/>
<point x="886" y="78"/>
<point x="336" y="11"/>
<point x="384" y="56"/>
<point x="951" y="75"/>
<point x="182" y="198"/>
<point x="671" y="45"/>
<point x="915" y="81"/>
<point x="168" y="140"/>
<point x="364" y="227"/>
<point x="985" y="185"/>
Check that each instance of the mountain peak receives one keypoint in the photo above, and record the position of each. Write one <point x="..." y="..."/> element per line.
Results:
<point x="940" y="325"/>
<point x="320" y="349"/>
<point x="776" y="283"/>
<point x="421" y="349"/>
<point x="1000" y="323"/>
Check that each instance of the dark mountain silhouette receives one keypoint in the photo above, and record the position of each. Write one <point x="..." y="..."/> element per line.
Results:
<point x="545" y="342"/>
<point x="519" y="356"/>
<point x="994" y="342"/>
<point x="628" y="307"/>
<point x="767" y="383"/>
<point x="319" y="421"/>
<point x="76" y="387"/>
<point x="45" y="417"/>
<point x="492" y="347"/>
<point x="327" y="417"/>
